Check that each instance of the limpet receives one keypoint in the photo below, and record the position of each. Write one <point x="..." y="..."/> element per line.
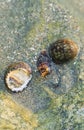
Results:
<point x="63" y="50"/>
<point x="18" y="76"/>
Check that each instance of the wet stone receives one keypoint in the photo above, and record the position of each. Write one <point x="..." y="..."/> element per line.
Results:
<point x="27" y="27"/>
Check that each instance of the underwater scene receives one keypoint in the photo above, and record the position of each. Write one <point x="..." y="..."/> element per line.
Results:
<point x="42" y="65"/>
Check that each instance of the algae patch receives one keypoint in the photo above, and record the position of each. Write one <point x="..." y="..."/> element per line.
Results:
<point x="65" y="112"/>
<point x="14" y="116"/>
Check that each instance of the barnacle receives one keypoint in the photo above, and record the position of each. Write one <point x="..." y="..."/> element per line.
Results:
<point x="18" y="76"/>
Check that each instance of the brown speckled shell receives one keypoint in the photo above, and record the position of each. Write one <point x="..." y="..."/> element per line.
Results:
<point x="63" y="50"/>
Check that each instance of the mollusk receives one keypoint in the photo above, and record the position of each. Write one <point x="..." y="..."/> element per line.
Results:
<point x="18" y="76"/>
<point x="44" y="63"/>
<point x="63" y="50"/>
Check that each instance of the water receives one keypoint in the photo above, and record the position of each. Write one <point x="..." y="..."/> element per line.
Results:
<point x="27" y="27"/>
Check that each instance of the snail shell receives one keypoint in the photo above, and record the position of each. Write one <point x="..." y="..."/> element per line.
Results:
<point x="63" y="50"/>
<point x="44" y="63"/>
<point x="18" y="76"/>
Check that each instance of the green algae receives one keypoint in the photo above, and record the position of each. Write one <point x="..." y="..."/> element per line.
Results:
<point x="11" y="110"/>
<point x="30" y="27"/>
<point x="63" y="111"/>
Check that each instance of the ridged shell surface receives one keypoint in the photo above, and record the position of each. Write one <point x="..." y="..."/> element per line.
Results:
<point x="18" y="76"/>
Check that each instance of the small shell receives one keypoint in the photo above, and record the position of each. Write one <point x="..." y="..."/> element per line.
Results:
<point x="18" y="76"/>
<point x="44" y="63"/>
<point x="63" y="50"/>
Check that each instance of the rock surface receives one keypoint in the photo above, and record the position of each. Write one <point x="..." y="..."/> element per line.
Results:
<point x="52" y="103"/>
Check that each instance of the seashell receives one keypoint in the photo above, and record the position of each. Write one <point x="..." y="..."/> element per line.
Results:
<point x="63" y="50"/>
<point x="18" y="76"/>
<point x="44" y="63"/>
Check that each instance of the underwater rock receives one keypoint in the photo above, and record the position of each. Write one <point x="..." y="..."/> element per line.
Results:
<point x="63" y="50"/>
<point x="18" y="76"/>
<point x="44" y="63"/>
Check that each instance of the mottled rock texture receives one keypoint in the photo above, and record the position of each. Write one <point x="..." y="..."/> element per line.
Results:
<point x="27" y="27"/>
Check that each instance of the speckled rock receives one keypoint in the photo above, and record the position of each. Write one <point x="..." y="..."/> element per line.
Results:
<point x="27" y="27"/>
<point x="14" y="116"/>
